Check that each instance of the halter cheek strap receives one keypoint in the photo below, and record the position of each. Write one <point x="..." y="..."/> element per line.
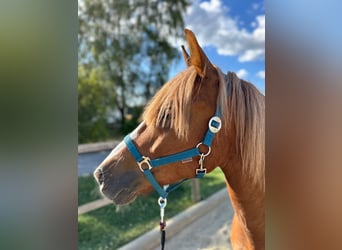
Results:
<point x="146" y="164"/>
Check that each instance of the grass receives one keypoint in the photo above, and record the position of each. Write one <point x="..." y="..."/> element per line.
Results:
<point x="105" y="228"/>
<point x="88" y="190"/>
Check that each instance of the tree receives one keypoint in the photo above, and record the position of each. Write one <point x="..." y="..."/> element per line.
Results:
<point x="130" y="40"/>
<point x="91" y="104"/>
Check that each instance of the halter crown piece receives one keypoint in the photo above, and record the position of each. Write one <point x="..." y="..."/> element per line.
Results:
<point x="146" y="164"/>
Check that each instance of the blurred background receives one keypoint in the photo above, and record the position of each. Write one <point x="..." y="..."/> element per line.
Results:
<point x="42" y="66"/>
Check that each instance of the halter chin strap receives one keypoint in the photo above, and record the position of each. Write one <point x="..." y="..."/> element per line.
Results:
<point x="146" y="164"/>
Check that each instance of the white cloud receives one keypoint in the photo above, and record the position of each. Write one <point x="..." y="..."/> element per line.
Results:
<point x="213" y="6"/>
<point x="242" y="73"/>
<point x="261" y="74"/>
<point x="213" y="26"/>
<point x="251" y="55"/>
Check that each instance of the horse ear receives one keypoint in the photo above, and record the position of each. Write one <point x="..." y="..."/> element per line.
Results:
<point x="197" y="56"/>
<point x="186" y="56"/>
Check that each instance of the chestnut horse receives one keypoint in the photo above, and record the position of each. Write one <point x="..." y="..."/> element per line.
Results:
<point x="176" y="120"/>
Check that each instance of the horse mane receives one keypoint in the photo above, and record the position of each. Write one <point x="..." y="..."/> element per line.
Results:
<point x="244" y="107"/>
<point x="247" y="112"/>
<point x="170" y="107"/>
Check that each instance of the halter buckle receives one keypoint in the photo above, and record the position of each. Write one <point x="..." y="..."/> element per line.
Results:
<point x="215" y="124"/>
<point x="145" y="160"/>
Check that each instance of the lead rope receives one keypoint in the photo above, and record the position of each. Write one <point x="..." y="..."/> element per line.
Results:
<point x="162" y="204"/>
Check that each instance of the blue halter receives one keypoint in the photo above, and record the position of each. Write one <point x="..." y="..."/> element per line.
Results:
<point x="146" y="164"/>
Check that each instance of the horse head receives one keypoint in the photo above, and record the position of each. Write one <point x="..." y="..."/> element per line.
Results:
<point x="175" y="120"/>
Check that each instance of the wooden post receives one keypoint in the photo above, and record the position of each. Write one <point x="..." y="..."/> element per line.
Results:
<point x="195" y="190"/>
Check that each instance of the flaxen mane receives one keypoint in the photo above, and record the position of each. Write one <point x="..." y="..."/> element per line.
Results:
<point x="170" y="107"/>
<point x="245" y="107"/>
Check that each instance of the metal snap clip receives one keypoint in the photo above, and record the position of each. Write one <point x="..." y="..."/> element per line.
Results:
<point x="162" y="202"/>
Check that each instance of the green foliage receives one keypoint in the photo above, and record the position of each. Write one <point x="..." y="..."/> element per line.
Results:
<point x="130" y="42"/>
<point x="88" y="190"/>
<point x="92" y="102"/>
<point x="106" y="229"/>
<point x="133" y="122"/>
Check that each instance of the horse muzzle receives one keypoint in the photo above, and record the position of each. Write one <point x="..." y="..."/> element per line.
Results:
<point x="121" y="189"/>
<point x="98" y="175"/>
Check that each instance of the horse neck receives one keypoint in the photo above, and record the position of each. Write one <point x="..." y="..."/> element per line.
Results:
<point x="248" y="203"/>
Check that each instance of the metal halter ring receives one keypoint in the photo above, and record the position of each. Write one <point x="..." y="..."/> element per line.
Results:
<point x="145" y="160"/>
<point x="162" y="202"/>
<point x="218" y="121"/>
<point x="203" y="154"/>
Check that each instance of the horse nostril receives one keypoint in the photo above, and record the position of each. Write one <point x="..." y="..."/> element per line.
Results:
<point x="98" y="174"/>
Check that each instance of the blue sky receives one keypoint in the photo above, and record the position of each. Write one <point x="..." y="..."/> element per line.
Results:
<point x="232" y="33"/>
